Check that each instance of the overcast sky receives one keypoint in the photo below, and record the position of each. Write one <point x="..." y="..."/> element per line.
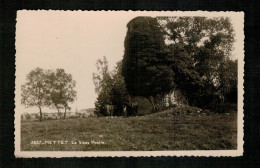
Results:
<point x="74" y="40"/>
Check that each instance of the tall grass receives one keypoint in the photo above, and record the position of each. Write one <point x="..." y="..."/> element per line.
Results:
<point x="168" y="130"/>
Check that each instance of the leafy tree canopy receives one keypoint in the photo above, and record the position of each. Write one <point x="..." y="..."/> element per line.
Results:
<point x="186" y="53"/>
<point x="199" y="46"/>
<point x="110" y="87"/>
<point x="35" y="89"/>
<point x="145" y="70"/>
<point x="47" y="88"/>
<point x="195" y="32"/>
<point x="61" y="89"/>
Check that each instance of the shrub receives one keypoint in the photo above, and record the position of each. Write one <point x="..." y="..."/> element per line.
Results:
<point x="27" y="116"/>
<point x="225" y="107"/>
<point x="144" y="105"/>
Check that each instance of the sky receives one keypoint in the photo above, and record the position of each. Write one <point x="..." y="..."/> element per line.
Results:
<point x="74" y="40"/>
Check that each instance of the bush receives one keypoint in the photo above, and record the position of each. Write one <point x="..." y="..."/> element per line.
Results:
<point x="224" y="108"/>
<point x="144" y="105"/>
<point x="27" y="116"/>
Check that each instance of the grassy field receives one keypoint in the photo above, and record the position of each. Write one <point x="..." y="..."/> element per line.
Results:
<point x="175" y="129"/>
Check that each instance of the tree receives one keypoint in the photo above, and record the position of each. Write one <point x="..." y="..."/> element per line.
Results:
<point x="193" y="32"/>
<point x="110" y="87"/>
<point x="61" y="89"/>
<point x="196" y="50"/>
<point x="228" y="81"/>
<point x="34" y="90"/>
<point x="45" y="88"/>
<point x="199" y="47"/>
<point x="102" y="78"/>
<point x="145" y="70"/>
<point x="119" y="94"/>
<point x="103" y="85"/>
<point x="186" y="77"/>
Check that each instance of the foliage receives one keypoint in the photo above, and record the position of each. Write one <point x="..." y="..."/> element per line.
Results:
<point x="110" y="87"/>
<point x="61" y="89"/>
<point x="35" y="89"/>
<point x="228" y="81"/>
<point x="200" y="51"/>
<point x="103" y="86"/>
<point x="195" y="32"/>
<point x="27" y="116"/>
<point x="145" y="106"/>
<point x="186" y="76"/>
<point x="191" y="55"/>
<point x="47" y="88"/>
<point x="102" y="78"/>
<point x="145" y="70"/>
<point x="119" y="94"/>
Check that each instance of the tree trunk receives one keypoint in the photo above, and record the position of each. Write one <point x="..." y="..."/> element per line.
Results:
<point x="40" y="114"/>
<point x="129" y="99"/>
<point x="59" y="112"/>
<point x="65" y="113"/>
<point x="160" y="102"/>
<point x="151" y="99"/>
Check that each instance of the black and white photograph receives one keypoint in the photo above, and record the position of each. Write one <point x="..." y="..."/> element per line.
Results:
<point x="129" y="83"/>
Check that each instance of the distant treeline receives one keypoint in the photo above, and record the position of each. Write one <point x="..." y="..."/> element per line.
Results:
<point x="57" y="115"/>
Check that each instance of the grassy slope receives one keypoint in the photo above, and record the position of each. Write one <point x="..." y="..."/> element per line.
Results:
<point x="150" y="132"/>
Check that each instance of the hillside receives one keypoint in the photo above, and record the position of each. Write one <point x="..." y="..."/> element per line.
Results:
<point x="176" y="129"/>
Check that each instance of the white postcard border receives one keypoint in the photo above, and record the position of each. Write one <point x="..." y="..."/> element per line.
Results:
<point x="215" y="153"/>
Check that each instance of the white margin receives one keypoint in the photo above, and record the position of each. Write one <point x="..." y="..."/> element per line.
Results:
<point x="215" y="153"/>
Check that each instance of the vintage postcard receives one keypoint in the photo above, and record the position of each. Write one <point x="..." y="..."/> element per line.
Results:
<point x="129" y="83"/>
